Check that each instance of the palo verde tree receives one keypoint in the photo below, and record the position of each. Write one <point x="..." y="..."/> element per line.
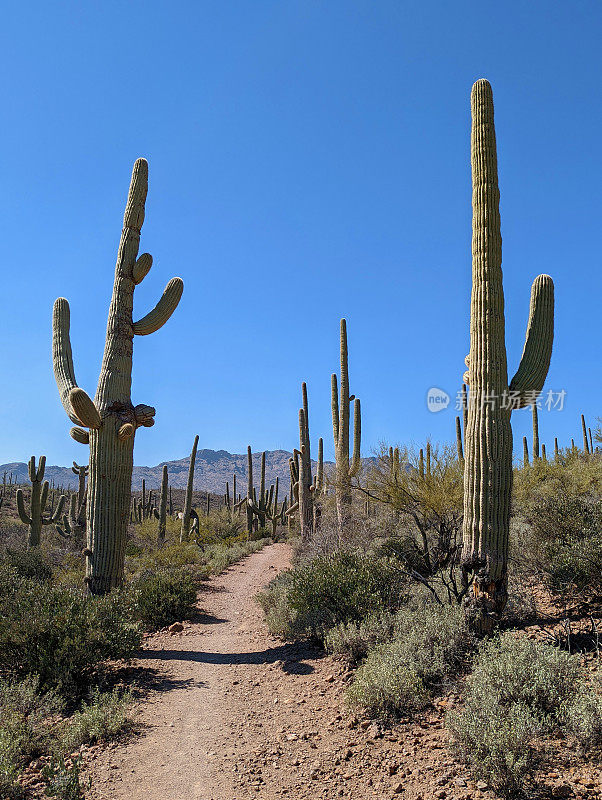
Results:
<point x="488" y="445"/>
<point x="109" y="422"/>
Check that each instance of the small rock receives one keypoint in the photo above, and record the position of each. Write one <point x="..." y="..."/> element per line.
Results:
<point x="398" y="788"/>
<point x="177" y="627"/>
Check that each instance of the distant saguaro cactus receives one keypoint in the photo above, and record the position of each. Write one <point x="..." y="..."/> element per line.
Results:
<point x="584" y="430"/>
<point x="111" y="418"/>
<point x="345" y="468"/>
<point x="488" y="446"/>
<point x="306" y="500"/>
<point x="161" y="514"/>
<point x="535" y="432"/>
<point x="35" y="520"/>
<point x="185" y="529"/>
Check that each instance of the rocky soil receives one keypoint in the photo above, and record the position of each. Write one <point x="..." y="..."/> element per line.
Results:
<point x="234" y="713"/>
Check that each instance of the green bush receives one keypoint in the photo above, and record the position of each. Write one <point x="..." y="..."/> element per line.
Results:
<point x="22" y="733"/>
<point x="520" y="689"/>
<point x="59" y="634"/>
<point x="63" y="779"/>
<point x="29" y="563"/>
<point x="430" y="645"/>
<point x="164" y="597"/>
<point x="102" y="718"/>
<point x="354" y="640"/>
<point x="332" y="589"/>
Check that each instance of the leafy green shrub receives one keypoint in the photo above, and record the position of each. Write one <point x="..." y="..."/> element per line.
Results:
<point x="518" y="690"/>
<point x="354" y="640"/>
<point x="60" y="635"/>
<point x="101" y="719"/>
<point x="63" y="779"/>
<point x="431" y="644"/>
<point x="332" y="589"/>
<point x="29" y="563"/>
<point x="22" y="735"/>
<point x="164" y="597"/>
<point x="582" y="715"/>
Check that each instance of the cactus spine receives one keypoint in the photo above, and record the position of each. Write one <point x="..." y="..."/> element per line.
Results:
<point x="35" y="520"/>
<point x="185" y="530"/>
<point x="161" y="514"/>
<point x="111" y="418"/>
<point x="346" y="468"/>
<point x="488" y="447"/>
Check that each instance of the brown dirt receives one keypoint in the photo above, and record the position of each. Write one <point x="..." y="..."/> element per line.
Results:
<point x="237" y="714"/>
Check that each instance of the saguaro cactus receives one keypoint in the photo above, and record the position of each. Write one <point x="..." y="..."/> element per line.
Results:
<point x="111" y="418"/>
<point x="488" y="447"/>
<point x="185" y="530"/>
<point x="39" y="497"/>
<point x="346" y="468"/>
<point x="535" y="432"/>
<point x="306" y="511"/>
<point x="584" y="429"/>
<point x="161" y="514"/>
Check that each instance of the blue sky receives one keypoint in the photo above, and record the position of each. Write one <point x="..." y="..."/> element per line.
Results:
<point x="308" y="160"/>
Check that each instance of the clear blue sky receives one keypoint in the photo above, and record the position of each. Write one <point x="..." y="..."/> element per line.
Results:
<point x="308" y="160"/>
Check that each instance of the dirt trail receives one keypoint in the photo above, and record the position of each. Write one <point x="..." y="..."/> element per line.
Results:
<point x="237" y="714"/>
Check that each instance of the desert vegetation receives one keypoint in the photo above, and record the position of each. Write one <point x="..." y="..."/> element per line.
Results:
<point x="446" y="567"/>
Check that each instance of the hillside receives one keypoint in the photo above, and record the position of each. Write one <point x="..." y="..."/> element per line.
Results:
<point x="213" y="468"/>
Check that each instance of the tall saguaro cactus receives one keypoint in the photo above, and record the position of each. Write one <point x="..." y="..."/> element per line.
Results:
<point x="35" y="520"/>
<point x="185" y="530"/>
<point x="346" y="468"/>
<point x="488" y="447"/>
<point x="306" y="500"/>
<point x="111" y="418"/>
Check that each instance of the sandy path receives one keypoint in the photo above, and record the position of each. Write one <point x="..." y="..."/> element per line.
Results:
<point x="236" y="714"/>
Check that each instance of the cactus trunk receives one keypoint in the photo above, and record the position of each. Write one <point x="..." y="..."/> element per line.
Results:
<point x="111" y="417"/>
<point x="185" y="530"/>
<point x="488" y="446"/>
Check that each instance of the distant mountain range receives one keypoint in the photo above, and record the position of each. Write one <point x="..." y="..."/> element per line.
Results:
<point x="213" y="468"/>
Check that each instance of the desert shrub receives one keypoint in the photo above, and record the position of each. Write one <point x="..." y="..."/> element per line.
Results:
<point x="63" y="779"/>
<point x="102" y="718"/>
<point x="60" y="635"/>
<point x="520" y="689"/>
<point x="562" y="540"/>
<point x="582" y="715"/>
<point x="353" y="640"/>
<point x="274" y="603"/>
<point x="337" y="588"/>
<point x="22" y="734"/>
<point x="430" y="645"/>
<point x="30" y="563"/>
<point x="164" y="597"/>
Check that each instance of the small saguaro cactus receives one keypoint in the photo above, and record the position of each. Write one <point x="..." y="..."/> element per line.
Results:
<point x="584" y="429"/>
<point x="111" y="418"/>
<point x="274" y="512"/>
<point x="459" y="447"/>
<point x="535" y="433"/>
<point x="257" y="505"/>
<point x="525" y="452"/>
<point x="488" y="446"/>
<point x="306" y="511"/>
<point x="36" y="519"/>
<point x="556" y="450"/>
<point x="185" y="530"/>
<point x="345" y="468"/>
<point x="161" y="514"/>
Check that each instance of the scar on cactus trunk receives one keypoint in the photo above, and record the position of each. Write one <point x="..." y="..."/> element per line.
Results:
<point x="488" y="445"/>
<point x="110" y="418"/>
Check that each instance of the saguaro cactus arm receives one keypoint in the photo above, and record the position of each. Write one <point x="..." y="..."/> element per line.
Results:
<point x="23" y="515"/>
<point x="62" y="356"/>
<point x="168" y="302"/>
<point x="357" y="438"/>
<point x="537" y="352"/>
